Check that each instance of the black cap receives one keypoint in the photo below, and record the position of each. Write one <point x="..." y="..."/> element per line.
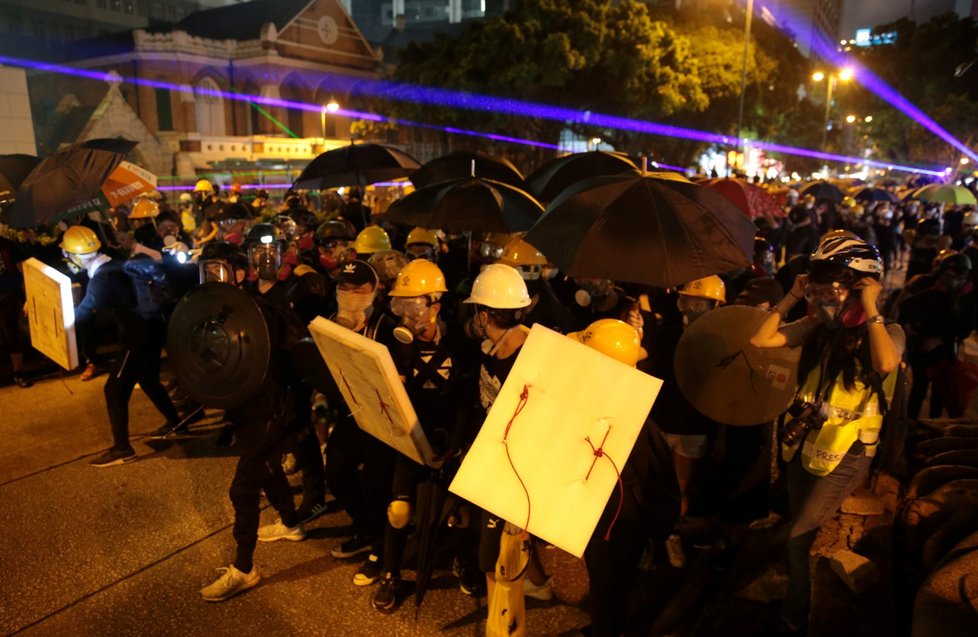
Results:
<point x="758" y="291"/>
<point x="357" y="272"/>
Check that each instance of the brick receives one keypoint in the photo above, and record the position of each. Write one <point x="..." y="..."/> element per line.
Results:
<point x="858" y="572"/>
<point x="863" y="505"/>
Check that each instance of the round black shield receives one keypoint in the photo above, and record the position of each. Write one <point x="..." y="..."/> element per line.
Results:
<point x="219" y="345"/>
<point x="725" y="377"/>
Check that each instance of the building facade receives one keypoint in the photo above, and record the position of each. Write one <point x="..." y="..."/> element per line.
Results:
<point x="200" y="72"/>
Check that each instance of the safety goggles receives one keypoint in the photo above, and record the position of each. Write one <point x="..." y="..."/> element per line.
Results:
<point x="826" y="292"/>
<point x="409" y="307"/>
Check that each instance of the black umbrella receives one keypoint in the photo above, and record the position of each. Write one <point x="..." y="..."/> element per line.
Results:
<point x="13" y="170"/>
<point x="555" y="176"/>
<point x="66" y="180"/>
<point x="870" y="195"/>
<point x="641" y="229"/>
<point x="823" y="191"/>
<point x="434" y="504"/>
<point x="356" y="165"/>
<point x="461" y="164"/>
<point x="478" y="205"/>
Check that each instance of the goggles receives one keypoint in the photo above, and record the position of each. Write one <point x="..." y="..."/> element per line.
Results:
<point x="826" y="292"/>
<point x="409" y="307"/>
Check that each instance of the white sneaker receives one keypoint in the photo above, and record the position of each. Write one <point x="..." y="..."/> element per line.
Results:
<point x="277" y="531"/>
<point x="230" y="584"/>
<point x="543" y="592"/>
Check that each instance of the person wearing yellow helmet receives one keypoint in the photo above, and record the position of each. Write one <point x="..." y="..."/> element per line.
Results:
<point x="432" y="377"/>
<point x="371" y="239"/>
<point x="422" y="243"/>
<point x="545" y="308"/>
<point x="141" y="337"/>
<point x="699" y="296"/>
<point x="649" y="502"/>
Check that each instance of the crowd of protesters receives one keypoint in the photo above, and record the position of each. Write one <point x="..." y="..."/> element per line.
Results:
<point x="453" y="311"/>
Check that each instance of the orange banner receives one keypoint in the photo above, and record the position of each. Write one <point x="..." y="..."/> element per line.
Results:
<point x="127" y="182"/>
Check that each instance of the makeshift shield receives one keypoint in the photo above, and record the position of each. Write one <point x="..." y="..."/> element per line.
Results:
<point x="725" y="377"/>
<point x="552" y="448"/>
<point x="51" y="313"/>
<point x="365" y="373"/>
<point x="219" y="345"/>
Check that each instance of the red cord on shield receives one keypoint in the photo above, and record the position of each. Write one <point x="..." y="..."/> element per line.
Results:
<point x="519" y="407"/>
<point x="599" y="452"/>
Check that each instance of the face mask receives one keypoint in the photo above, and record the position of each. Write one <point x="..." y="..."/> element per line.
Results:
<point x="305" y="242"/>
<point x="353" y="308"/>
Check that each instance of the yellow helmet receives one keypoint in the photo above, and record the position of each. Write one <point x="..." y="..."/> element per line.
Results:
<point x="422" y="235"/>
<point x="613" y="338"/>
<point x="80" y="240"/>
<point x="520" y="253"/>
<point x="372" y="239"/>
<point x="709" y="287"/>
<point x="417" y="278"/>
<point x="145" y="209"/>
<point x="203" y="185"/>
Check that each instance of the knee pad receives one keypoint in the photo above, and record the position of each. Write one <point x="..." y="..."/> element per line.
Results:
<point x="399" y="514"/>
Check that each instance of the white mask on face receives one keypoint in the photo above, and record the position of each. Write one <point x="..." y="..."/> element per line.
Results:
<point x="353" y="309"/>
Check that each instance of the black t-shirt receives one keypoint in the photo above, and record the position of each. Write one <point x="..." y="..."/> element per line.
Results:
<point x="11" y="281"/>
<point x="671" y="411"/>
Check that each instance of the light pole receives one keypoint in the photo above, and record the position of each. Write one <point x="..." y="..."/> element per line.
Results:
<point x="743" y="71"/>
<point x="845" y="75"/>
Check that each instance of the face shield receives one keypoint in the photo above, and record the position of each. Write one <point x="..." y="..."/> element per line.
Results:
<point x="420" y="251"/>
<point x="266" y="258"/>
<point x="217" y="270"/>
<point x="334" y="251"/>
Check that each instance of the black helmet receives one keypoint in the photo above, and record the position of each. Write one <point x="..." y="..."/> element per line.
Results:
<point x="956" y="261"/>
<point x="263" y="233"/>
<point x="304" y="219"/>
<point x="237" y="211"/>
<point x="834" y="256"/>
<point x="336" y="229"/>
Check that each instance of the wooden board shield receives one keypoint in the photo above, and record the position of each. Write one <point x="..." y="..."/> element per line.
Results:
<point x="365" y="373"/>
<point x="573" y="395"/>
<point x="51" y="313"/>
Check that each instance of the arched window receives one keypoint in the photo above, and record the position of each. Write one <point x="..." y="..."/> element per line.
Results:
<point x="210" y="107"/>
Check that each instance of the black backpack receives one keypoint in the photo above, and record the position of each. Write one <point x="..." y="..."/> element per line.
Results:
<point x="155" y="296"/>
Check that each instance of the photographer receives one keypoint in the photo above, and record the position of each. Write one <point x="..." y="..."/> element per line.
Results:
<point x="845" y="375"/>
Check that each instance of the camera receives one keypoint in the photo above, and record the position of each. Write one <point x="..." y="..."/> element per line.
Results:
<point x="805" y="417"/>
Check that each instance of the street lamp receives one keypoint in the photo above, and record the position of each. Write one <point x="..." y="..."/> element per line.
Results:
<point x="595" y="142"/>
<point x="845" y="75"/>
<point x="850" y="118"/>
<point x="329" y="107"/>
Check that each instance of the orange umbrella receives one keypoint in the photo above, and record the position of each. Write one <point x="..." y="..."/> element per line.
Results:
<point x="752" y="200"/>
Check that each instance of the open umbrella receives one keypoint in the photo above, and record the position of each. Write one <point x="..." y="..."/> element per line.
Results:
<point x="461" y="164"/>
<point x="752" y="200"/>
<point x="638" y="229"/>
<point x="823" y="191"/>
<point x="946" y="193"/>
<point x="478" y="205"/>
<point x="868" y="194"/>
<point x="65" y="182"/>
<point x="13" y="170"/>
<point x="551" y="179"/>
<point x="356" y="165"/>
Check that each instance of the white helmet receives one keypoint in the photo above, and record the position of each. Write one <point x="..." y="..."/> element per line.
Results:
<point x="500" y="287"/>
<point x="971" y="219"/>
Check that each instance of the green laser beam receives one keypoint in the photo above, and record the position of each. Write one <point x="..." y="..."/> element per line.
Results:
<point x="269" y="116"/>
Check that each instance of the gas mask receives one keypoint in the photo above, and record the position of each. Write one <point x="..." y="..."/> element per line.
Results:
<point x="693" y="307"/>
<point x="331" y="253"/>
<point x="415" y="314"/>
<point x="353" y="308"/>
<point x="595" y="291"/>
<point x="265" y="258"/>
<point x="420" y="251"/>
<point x="78" y="262"/>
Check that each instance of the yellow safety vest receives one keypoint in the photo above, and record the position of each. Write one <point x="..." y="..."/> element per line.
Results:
<point x="850" y="416"/>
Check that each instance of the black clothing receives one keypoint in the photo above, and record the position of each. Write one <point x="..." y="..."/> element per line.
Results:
<point x="671" y="411"/>
<point x="801" y="240"/>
